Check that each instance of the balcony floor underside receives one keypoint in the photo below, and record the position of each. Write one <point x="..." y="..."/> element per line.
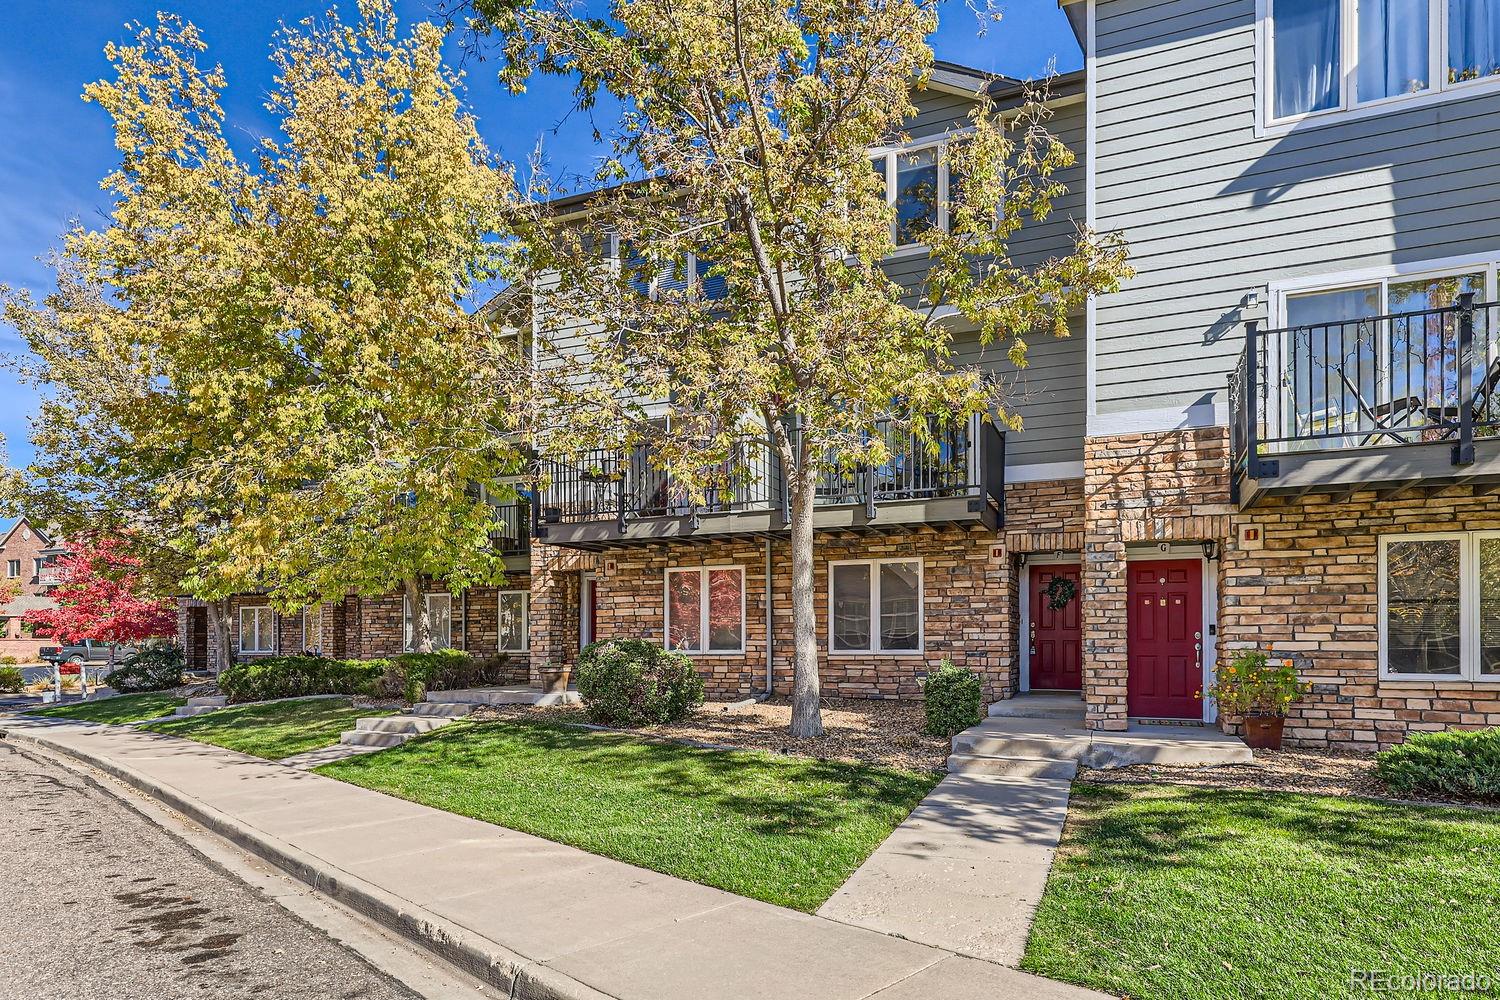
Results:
<point x="1402" y="470"/>
<point x="902" y="518"/>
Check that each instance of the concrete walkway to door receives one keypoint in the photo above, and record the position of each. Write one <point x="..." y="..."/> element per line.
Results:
<point x="538" y="919"/>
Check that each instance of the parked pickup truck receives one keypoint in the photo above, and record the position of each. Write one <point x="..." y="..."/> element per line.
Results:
<point x="89" y="652"/>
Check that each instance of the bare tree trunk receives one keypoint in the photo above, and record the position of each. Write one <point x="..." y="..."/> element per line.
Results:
<point x="421" y="621"/>
<point x="807" y="716"/>
<point x="218" y="624"/>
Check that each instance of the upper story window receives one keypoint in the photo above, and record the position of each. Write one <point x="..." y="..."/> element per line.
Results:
<point x="691" y="274"/>
<point x="919" y="186"/>
<point x="1332" y="55"/>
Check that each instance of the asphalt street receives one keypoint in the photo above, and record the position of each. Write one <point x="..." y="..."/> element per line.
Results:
<point x="96" y="902"/>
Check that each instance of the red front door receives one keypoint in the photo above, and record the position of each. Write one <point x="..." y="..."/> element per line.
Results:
<point x="1055" y="639"/>
<point x="1165" y="641"/>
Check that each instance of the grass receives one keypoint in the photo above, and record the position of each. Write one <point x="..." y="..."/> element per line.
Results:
<point x="1173" y="893"/>
<point x="787" y="830"/>
<point x="119" y="709"/>
<point x="275" y="730"/>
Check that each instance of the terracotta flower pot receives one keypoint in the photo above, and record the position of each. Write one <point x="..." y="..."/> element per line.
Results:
<point x="1263" y="732"/>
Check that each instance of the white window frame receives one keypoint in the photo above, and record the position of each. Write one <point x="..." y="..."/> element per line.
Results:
<point x="1468" y="607"/>
<point x="666" y="610"/>
<point x="13" y="569"/>
<point x="257" y="612"/>
<point x="653" y="287"/>
<point x="1349" y="105"/>
<point x="874" y="648"/>
<point x="525" y="621"/>
<point x="891" y="154"/>
<point x="408" y="625"/>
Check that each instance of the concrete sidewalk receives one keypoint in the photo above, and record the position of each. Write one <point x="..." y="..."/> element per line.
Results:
<point x="537" y="918"/>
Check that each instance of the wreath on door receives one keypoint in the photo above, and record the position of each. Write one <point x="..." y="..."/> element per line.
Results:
<point x="1060" y="591"/>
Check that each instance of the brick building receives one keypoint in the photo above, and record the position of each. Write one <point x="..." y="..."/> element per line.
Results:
<point x="28" y="559"/>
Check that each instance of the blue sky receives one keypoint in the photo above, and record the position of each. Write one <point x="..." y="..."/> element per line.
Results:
<point x="54" y="148"/>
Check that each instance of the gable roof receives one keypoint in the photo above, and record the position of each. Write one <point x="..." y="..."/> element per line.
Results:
<point x="47" y="536"/>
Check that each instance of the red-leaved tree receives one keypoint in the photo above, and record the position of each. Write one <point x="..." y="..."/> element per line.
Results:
<point x="99" y="597"/>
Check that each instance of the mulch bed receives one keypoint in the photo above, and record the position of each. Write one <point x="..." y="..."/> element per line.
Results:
<point x="1316" y="772"/>
<point x="888" y="733"/>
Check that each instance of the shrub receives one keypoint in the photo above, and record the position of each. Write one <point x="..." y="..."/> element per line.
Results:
<point x="298" y="676"/>
<point x="8" y="661"/>
<point x="1252" y="685"/>
<point x="1464" y="764"/>
<point x="954" y="699"/>
<point x="411" y="675"/>
<point x="632" y="682"/>
<point x="151" y="668"/>
<point x="11" y="681"/>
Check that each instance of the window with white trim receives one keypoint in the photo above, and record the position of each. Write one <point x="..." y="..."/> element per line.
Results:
<point x="1440" y="606"/>
<point x="439" y="617"/>
<point x="875" y="606"/>
<point x="1324" y="56"/>
<point x="917" y="185"/>
<point x="13" y="568"/>
<point x="515" y="607"/>
<point x="705" y="609"/>
<point x="257" y="630"/>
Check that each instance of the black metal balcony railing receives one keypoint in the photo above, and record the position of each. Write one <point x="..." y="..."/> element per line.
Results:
<point x="604" y="484"/>
<point x="512" y="532"/>
<point x="1404" y="378"/>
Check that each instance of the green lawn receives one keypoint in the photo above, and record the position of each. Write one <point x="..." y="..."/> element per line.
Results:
<point x="274" y="730"/>
<point x="118" y="709"/>
<point x="788" y="830"/>
<point x="1173" y="893"/>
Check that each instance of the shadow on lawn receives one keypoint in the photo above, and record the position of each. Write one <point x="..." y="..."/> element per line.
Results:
<point x="1177" y="826"/>
<point x="775" y="796"/>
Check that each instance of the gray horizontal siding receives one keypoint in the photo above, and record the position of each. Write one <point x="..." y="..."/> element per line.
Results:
<point x="1213" y="214"/>
<point x="1049" y="394"/>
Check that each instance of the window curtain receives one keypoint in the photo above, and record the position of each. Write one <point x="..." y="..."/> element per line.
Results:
<point x="1392" y="48"/>
<point x="1305" y="41"/>
<point x="1473" y="39"/>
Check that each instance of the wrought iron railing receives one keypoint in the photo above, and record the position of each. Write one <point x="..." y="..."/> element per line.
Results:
<point x="1404" y="378"/>
<point x="511" y="534"/>
<point x="963" y="460"/>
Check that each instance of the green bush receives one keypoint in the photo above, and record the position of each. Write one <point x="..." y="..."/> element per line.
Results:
<point x="955" y="700"/>
<point x="411" y="675"/>
<point x="8" y="661"/>
<point x="632" y="682"/>
<point x="298" y="676"/>
<point x="11" y="681"/>
<point x="150" y="668"/>
<point x="1464" y="764"/>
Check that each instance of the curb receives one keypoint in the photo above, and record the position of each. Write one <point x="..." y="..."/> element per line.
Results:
<point x="522" y="978"/>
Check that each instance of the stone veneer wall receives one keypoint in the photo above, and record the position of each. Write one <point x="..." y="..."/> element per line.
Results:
<point x="1164" y="487"/>
<point x="1310" y="589"/>
<point x="970" y="599"/>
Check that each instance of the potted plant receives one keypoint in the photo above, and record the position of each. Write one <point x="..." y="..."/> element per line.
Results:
<point x="1259" y="692"/>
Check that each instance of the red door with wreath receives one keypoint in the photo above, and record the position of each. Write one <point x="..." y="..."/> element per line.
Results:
<point x="1055" y="638"/>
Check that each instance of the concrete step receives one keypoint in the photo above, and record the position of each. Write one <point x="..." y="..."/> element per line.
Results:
<point x="1011" y="767"/>
<point x="1180" y="745"/>
<point x="364" y="738"/>
<point x="1049" y="739"/>
<point x="514" y="695"/>
<point x="188" y="711"/>
<point x="410" y="724"/>
<point x="442" y="710"/>
<point x="213" y="701"/>
<point x="1039" y="706"/>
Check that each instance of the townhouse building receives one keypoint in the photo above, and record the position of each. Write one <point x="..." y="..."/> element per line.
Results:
<point x="28" y="558"/>
<point x="1281" y="432"/>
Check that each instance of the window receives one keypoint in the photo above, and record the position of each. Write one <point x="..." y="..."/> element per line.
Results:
<point x="1440" y="606"/>
<point x="1331" y="55"/>
<point x="876" y="606"/>
<point x="13" y="568"/>
<point x="312" y="628"/>
<point x="919" y="186"/>
<point x="257" y="630"/>
<point x="706" y="609"/>
<point x="514" y="614"/>
<point x="690" y="276"/>
<point x="36" y="567"/>
<point x="440" y="618"/>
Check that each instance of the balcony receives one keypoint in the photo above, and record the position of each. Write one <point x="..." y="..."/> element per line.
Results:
<point x="1404" y="404"/>
<point x="610" y="499"/>
<point x="511" y="536"/>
